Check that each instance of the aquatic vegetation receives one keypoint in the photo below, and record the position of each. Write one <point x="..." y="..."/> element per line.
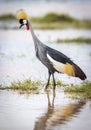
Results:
<point x="83" y="90"/>
<point x="77" y="40"/>
<point x="26" y="85"/>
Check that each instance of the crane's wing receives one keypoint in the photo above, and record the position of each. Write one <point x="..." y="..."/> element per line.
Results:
<point x="58" y="56"/>
<point x="63" y="64"/>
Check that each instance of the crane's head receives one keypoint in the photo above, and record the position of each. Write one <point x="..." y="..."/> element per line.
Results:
<point x="23" y="19"/>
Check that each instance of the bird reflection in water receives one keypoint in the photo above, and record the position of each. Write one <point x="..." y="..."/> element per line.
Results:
<point x="57" y="115"/>
<point x="48" y="98"/>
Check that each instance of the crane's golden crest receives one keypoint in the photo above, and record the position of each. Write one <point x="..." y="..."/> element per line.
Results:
<point x="21" y="14"/>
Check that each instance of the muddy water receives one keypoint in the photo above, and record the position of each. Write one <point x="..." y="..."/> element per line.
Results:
<point x="18" y="60"/>
<point x="37" y="112"/>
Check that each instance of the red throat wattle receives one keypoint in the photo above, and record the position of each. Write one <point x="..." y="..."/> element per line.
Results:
<point x="27" y="27"/>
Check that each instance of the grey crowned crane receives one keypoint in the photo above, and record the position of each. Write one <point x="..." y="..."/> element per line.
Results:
<point x="54" y="60"/>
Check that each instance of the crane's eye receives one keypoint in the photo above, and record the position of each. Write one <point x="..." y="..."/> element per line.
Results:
<point x="25" y="21"/>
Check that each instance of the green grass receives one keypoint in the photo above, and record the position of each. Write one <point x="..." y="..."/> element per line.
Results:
<point x="83" y="90"/>
<point x="52" y="21"/>
<point x="26" y="85"/>
<point x="77" y="40"/>
<point x="29" y="86"/>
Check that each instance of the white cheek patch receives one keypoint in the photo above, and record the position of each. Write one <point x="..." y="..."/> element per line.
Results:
<point x="57" y="65"/>
<point x="24" y="22"/>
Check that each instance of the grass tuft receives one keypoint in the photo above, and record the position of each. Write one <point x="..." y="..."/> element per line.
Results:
<point x="29" y="86"/>
<point x="26" y="85"/>
<point x="83" y="89"/>
<point x="77" y="40"/>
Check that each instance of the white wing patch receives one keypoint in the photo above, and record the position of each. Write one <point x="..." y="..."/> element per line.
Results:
<point x="63" y="68"/>
<point x="57" y="65"/>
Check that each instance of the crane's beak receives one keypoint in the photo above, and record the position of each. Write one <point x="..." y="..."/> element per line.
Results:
<point x="21" y="26"/>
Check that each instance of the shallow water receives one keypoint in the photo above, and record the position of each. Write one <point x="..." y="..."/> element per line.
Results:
<point x="35" y="112"/>
<point x="38" y="111"/>
<point x="18" y="60"/>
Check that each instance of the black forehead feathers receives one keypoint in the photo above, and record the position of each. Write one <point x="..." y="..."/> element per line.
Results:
<point x="21" y="21"/>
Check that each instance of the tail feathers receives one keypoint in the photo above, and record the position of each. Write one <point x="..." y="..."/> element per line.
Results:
<point x="78" y="72"/>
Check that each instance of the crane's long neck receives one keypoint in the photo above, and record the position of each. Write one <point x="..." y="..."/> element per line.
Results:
<point x="35" y="39"/>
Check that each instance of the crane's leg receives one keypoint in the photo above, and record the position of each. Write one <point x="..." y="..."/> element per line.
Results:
<point x="54" y="93"/>
<point x="48" y="80"/>
<point x="54" y="83"/>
